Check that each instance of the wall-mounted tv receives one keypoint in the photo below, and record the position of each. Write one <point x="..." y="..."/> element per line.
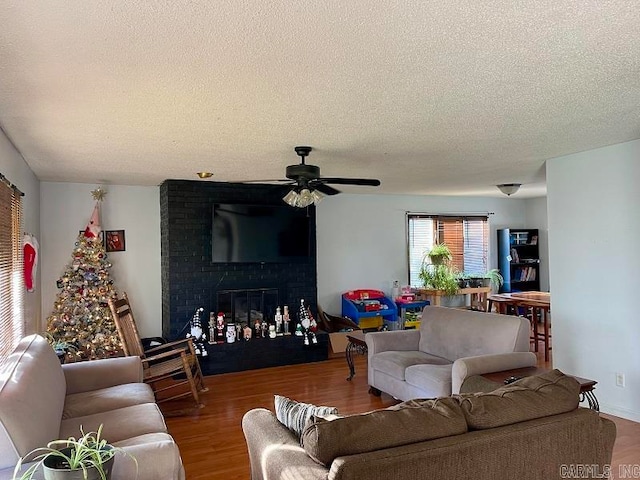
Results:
<point x="261" y="234"/>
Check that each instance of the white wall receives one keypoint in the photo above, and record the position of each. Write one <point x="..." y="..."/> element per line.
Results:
<point x="13" y="166"/>
<point x="594" y="258"/>
<point x="362" y="238"/>
<point x="66" y="208"/>
<point x="536" y="214"/>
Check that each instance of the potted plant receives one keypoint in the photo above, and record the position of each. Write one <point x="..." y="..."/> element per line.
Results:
<point x="61" y="347"/>
<point x="88" y="457"/>
<point x="491" y="278"/>
<point x="438" y="273"/>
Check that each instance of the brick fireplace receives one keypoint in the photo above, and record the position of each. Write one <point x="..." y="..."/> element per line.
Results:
<point x="190" y="279"/>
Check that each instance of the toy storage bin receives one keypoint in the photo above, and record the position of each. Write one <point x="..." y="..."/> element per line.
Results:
<point x="368" y="308"/>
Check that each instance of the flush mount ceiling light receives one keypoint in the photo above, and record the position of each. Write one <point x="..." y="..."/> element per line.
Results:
<point x="204" y="174"/>
<point x="509" y="188"/>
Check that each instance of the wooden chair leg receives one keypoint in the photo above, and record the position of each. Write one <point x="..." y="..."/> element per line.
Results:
<point x="192" y="381"/>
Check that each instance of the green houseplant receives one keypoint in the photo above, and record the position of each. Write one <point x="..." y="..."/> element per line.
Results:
<point x="437" y="272"/>
<point x="89" y="457"/>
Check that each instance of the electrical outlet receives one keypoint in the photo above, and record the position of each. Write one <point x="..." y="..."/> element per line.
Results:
<point x="620" y="379"/>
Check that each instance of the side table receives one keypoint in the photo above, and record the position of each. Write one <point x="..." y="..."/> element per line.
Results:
<point x="356" y="344"/>
<point x="586" y="386"/>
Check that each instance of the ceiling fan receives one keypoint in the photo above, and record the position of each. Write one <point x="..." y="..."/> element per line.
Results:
<point x="308" y="185"/>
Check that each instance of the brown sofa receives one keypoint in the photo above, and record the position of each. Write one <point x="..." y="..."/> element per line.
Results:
<point x="532" y="429"/>
<point x="41" y="400"/>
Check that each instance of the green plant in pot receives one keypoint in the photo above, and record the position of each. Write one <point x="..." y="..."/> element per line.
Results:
<point x="438" y="273"/>
<point x="89" y="457"/>
<point x="61" y="347"/>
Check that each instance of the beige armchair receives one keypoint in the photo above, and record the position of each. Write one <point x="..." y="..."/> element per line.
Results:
<point x="451" y="345"/>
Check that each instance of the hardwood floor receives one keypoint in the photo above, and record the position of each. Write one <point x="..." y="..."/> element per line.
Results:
<point x="211" y="440"/>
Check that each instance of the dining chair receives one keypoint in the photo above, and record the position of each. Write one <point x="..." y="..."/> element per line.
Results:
<point x="168" y="368"/>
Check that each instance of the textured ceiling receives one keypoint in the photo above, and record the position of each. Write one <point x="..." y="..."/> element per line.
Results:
<point x="431" y="97"/>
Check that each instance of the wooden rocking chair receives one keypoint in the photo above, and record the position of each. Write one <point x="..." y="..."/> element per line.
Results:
<point x="162" y="364"/>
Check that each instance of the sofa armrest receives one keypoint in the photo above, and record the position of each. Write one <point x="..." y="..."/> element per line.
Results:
<point x="275" y="451"/>
<point x="404" y="340"/>
<point x="96" y="374"/>
<point x="465" y="367"/>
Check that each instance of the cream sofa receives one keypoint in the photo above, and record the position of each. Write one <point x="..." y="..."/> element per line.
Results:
<point x="451" y="345"/>
<point x="41" y="400"/>
<point x="529" y="430"/>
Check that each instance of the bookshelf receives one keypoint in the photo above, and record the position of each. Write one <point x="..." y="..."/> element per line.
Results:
<point x="519" y="259"/>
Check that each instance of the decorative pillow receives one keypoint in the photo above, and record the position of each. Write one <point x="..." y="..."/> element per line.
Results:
<point x="409" y="422"/>
<point x="294" y="415"/>
<point x="532" y="397"/>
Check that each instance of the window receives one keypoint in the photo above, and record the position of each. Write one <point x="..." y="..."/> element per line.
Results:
<point x="11" y="275"/>
<point x="466" y="237"/>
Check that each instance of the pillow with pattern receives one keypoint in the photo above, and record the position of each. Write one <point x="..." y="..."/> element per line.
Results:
<point x="294" y="415"/>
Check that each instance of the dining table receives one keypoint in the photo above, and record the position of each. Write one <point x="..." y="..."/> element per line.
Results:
<point x="534" y="305"/>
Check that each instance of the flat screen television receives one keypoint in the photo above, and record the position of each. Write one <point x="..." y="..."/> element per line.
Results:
<point x="261" y="234"/>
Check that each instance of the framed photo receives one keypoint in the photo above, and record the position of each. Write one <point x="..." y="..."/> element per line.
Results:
<point x="115" y="241"/>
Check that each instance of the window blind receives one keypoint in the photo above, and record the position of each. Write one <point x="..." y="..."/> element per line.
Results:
<point x="11" y="274"/>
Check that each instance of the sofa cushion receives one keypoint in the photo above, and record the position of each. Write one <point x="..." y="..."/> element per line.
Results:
<point x="532" y="397"/>
<point x="32" y="391"/>
<point x="395" y="363"/>
<point x="119" y="424"/>
<point x="406" y="423"/>
<point x="452" y="333"/>
<point x="435" y="379"/>
<point x="105" y="399"/>
<point x="294" y="415"/>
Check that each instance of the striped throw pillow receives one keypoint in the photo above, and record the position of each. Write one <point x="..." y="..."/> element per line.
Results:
<point x="294" y="415"/>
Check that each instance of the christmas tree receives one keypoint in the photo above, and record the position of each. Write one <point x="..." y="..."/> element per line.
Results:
<point x="81" y="315"/>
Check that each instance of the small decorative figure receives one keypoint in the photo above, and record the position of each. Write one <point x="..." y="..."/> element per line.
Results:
<point x="258" y="328"/>
<point x="212" y="328"/>
<point x="285" y="320"/>
<point x="272" y="331"/>
<point x="220" y="328"/>
<point x="238" y="331"/>
<point x="197" y="334"/>
<point x="246" y="332"/>
<point x="263" y="329"/>
<point x="298" y="330"/>
<point x="231" y="333"/>
<point x="278" y="319"/>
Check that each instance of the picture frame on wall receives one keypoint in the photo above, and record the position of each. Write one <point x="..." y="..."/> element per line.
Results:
<point x="115" y="241"/>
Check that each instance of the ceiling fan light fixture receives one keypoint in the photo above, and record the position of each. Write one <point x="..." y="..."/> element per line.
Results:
<point x="509" y="188"/>
<point x="291" y="198"/>
<point x="302" y="199"/>
<point x="317" y="197"/>
<point x="204" y="175"/>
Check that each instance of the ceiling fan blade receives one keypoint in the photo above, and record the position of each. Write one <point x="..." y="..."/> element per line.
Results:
<point x="322" y="188"/>
<point x="351" y="181"/>
<point x="272" y="180"/>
